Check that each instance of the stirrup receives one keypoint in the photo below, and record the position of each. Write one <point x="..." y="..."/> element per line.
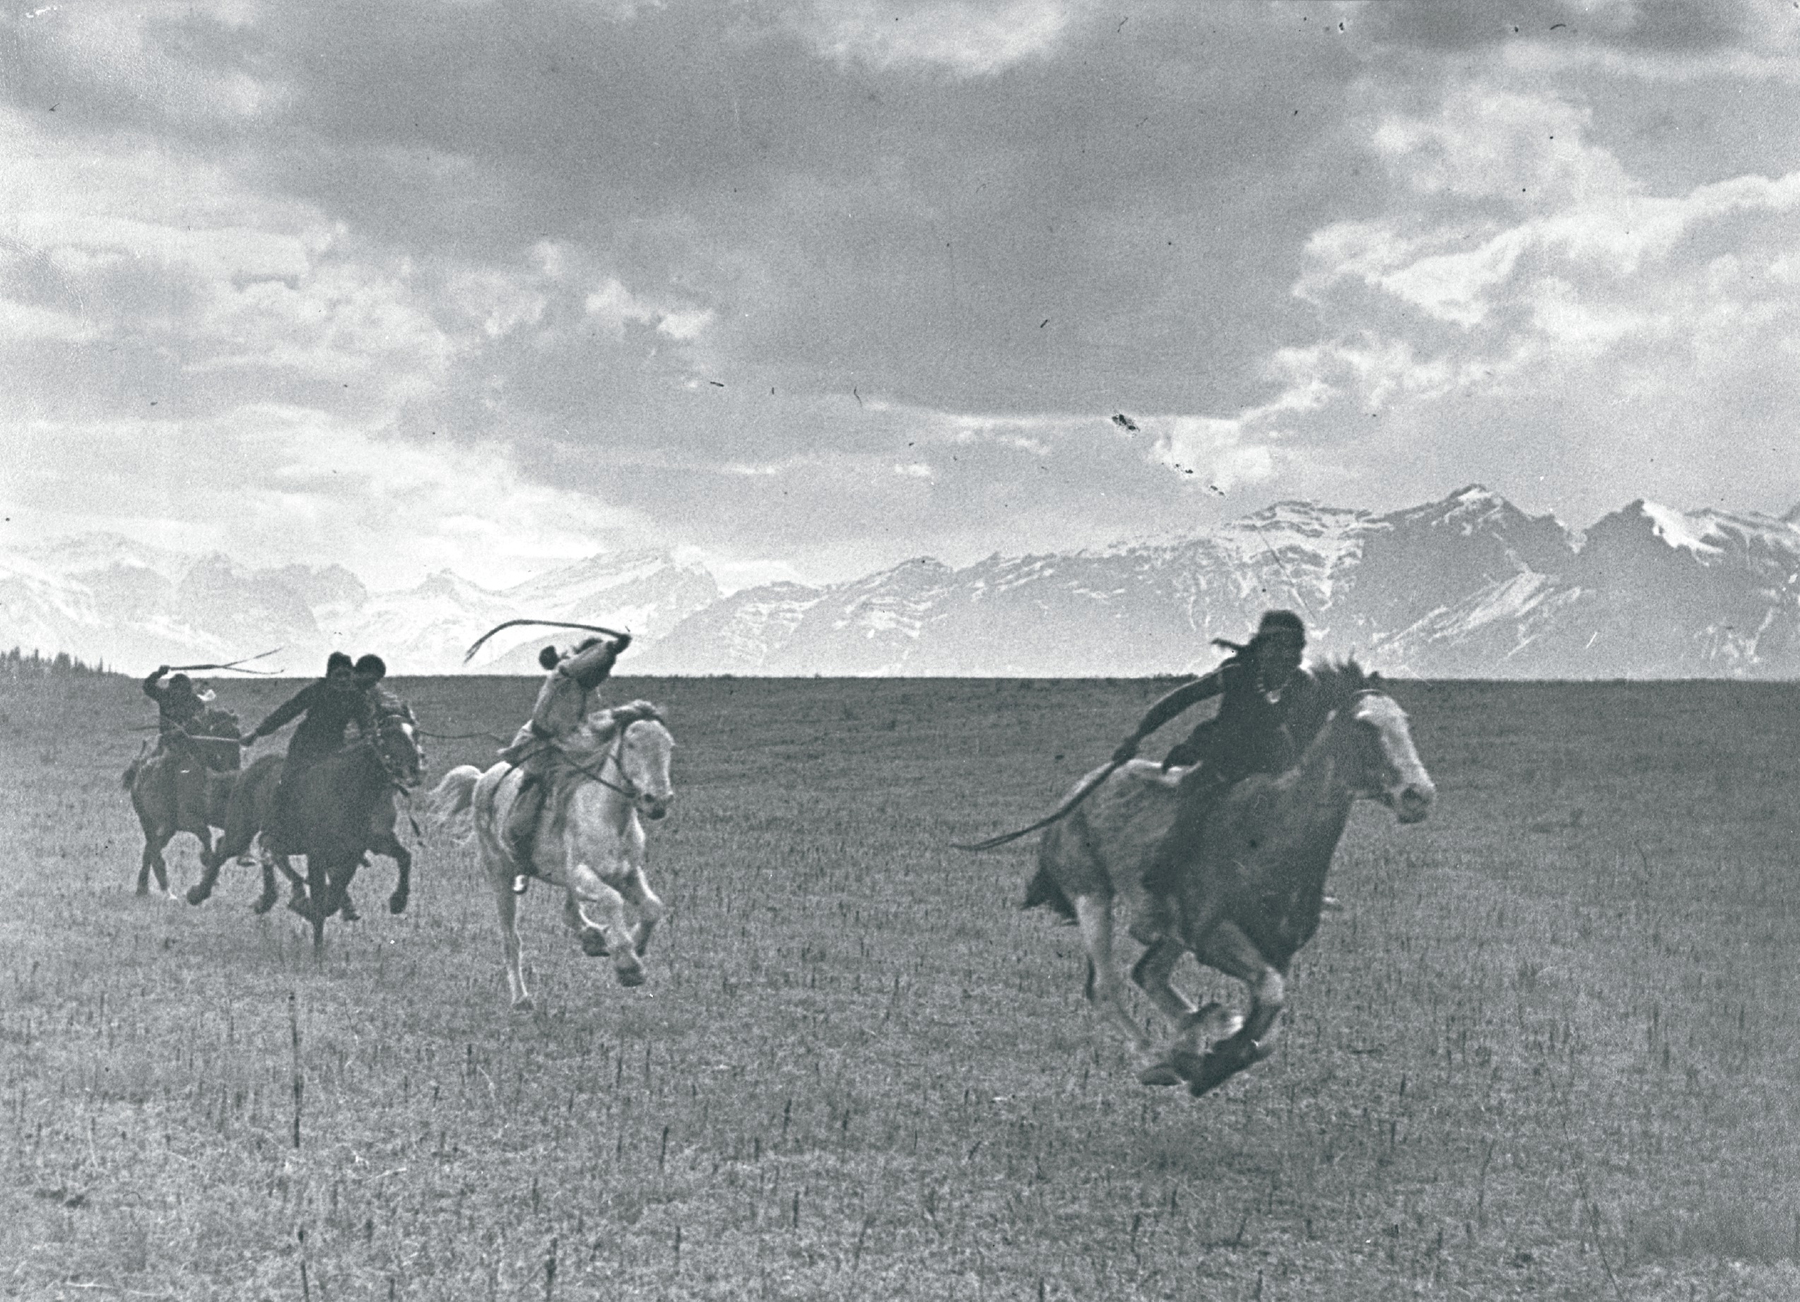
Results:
<point x="520" y="882"/>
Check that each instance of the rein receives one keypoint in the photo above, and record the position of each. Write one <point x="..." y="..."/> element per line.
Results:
<point x="629" y="790"/>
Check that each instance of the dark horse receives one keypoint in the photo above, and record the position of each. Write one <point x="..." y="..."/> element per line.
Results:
<point x="343" y="809"/>
<point x="1253" y="895"/>
<point x="184" y="790"/>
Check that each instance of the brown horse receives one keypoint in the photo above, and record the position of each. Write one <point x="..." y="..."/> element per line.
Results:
<point x="183" y="790"/>
<point x="344" y="808"/>
<point x="1254" y="894"/>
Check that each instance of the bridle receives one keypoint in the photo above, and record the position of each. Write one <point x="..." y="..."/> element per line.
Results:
<point x="615" y="754"/>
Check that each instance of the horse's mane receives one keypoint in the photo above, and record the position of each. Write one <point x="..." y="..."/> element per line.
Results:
<point x="597" y="730"/>
<point x="1339" y="680"/>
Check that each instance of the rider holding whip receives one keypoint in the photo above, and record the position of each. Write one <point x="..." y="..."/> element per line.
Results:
<point x="562" y="703"/>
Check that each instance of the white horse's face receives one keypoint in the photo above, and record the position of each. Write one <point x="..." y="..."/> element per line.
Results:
<point x="644" y="755"/>
<point x="1391" y="770"/>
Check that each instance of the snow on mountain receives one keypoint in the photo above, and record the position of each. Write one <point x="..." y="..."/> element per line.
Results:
<point x="1465" y="586"/>
<point x="103" y="597"/>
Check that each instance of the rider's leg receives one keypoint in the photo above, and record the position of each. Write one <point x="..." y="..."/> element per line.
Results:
<point x="1198" y="795"/>
<point x="522" y="819"/>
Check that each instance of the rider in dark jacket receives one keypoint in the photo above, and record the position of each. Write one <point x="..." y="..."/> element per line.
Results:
<point x="330" y="706"/>
<point x="1268" y="709"/>
<point x="177" y="705"/>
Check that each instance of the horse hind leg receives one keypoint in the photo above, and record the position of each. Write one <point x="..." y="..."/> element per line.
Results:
<point x="506" y="904"/>
<point x="1105" y="989"/>
<point x="1228" y="949"/>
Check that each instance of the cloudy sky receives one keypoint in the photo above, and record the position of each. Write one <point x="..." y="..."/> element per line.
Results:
<point x="804" y="287"/>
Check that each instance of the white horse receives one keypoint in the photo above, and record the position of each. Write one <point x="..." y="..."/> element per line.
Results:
<point x="590" y="840"/>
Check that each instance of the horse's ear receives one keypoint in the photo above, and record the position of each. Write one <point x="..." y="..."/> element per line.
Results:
<point x="1375" y="676"/>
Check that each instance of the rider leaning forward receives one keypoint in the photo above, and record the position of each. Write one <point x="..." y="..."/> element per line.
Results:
<point x="330" y="706"/>
<point x="562" y="703"/>
<point x="1268" y="707"/>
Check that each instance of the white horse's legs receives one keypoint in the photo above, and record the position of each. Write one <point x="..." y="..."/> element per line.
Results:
<point x="648" y="904"/>
<point x="611" y="935"/>
<point x="507" y="905"/>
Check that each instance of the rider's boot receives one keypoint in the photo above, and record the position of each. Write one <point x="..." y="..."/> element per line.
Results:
<point x="521" y="828"/>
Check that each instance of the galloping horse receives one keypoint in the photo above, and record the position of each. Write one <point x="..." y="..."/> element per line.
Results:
<point x="343" y="809"/>
<point x="590" y="842"/>
<point x="1254" y="894"/>
<point x="175" y="792"/>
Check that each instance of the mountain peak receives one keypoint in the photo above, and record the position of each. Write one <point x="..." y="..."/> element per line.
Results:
<point x="1676" y="528"/>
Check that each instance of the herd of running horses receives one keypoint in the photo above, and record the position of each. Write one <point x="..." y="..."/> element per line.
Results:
<point x="1252" y="897"/>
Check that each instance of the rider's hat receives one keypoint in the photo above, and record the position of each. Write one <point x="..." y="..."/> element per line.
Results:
<point x="1281" y="623"/>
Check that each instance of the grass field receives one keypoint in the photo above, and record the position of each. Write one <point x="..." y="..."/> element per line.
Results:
<point x="1549" y="1049"/>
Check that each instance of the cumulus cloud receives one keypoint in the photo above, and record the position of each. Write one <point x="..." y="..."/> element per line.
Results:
<point x="809" y="288"/>
<point x="961" y="36"/>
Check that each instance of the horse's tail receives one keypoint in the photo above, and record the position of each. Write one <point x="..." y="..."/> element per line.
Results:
<point x="134" y="767"/>
<point x="1045" y="890"/>
<point x="453" y="799"/>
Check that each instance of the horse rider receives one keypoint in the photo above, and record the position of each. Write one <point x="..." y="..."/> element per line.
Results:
<point x="562" y="703"/>
<point x="178" y="707"/>
<point x="180" y="710"/>
<point x="330" y="706"/>
<point x="1268" y="710"/>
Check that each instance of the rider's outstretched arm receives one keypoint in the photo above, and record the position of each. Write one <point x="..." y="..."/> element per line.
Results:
<point x="292" y="709"/>
<point x="1184" y="697"/>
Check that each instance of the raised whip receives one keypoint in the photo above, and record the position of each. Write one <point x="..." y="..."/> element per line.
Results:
<point x="234" y="666"/>
<point x="1062" y="811"/>
<point x="543" y="623"/>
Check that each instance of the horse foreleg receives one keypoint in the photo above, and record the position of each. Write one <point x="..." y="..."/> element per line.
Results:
<point x="270" y="893"/>
<point x="155" y="842"/>
<point x="1105" y="991"/>
<point x="1228" y="949"/>
<point x="389" y="845"/>
<point x="611" y="935"/>
<point x="650" y="908"/>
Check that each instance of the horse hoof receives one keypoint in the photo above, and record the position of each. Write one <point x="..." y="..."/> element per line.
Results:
<point x="1159" y="1073"/>
<point x="631" y="976"/>
<point x="397" y="904"/>
<point x="195" y="895"/>
<point x="593" y="944"/>
<point x="522" y="1004"/>
<point x="347" y="911"/>
<point x="263" y="905"/>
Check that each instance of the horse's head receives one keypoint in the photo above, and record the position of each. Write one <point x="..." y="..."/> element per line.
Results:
<point x="642" y="753"/>
<point x="397" y="743"/>
<point x="1385" y="765"/>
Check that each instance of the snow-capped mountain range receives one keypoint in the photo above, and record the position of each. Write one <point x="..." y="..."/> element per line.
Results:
<point x="1469" y="586"/>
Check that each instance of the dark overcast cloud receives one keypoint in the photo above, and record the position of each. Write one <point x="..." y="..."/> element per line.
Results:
<point x="749" y="277"/>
